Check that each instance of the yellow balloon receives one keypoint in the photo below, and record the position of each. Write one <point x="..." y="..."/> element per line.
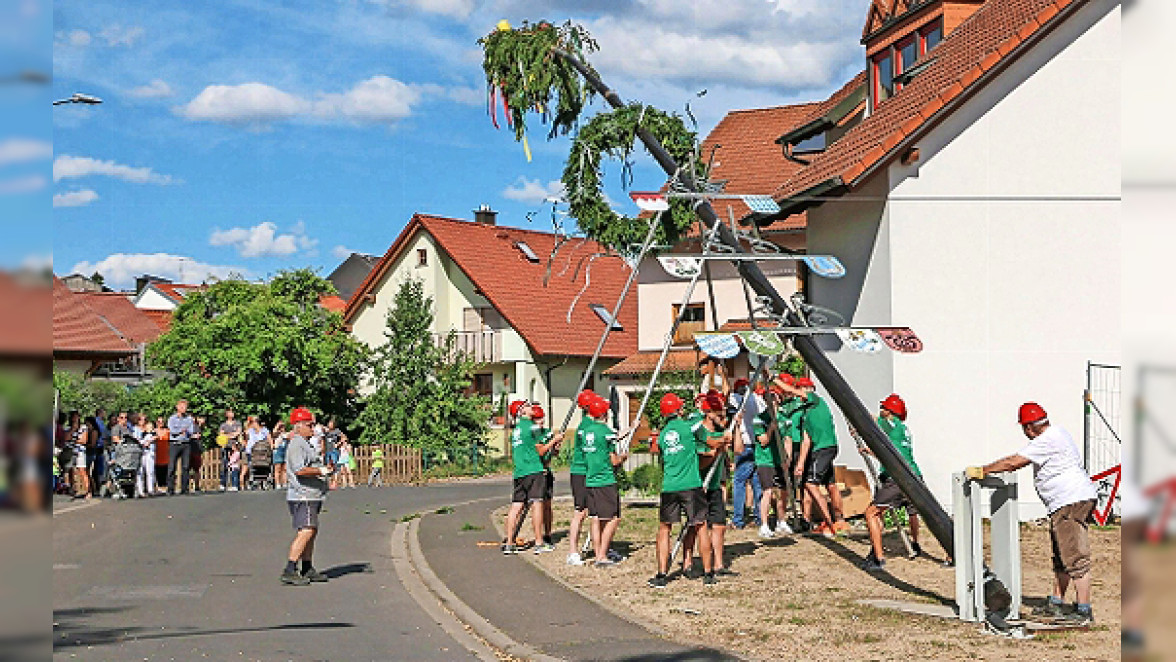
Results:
<point x="504" y="25"/>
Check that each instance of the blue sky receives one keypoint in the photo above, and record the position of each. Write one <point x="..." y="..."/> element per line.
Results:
<point x="241" y="136"/>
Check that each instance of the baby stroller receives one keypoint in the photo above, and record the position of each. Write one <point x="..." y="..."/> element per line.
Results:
<point x="123" y="470"/>
<point x="261" y="466"/>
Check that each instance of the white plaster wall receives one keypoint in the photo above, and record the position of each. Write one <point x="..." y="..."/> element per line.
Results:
<point x="1000" y="248"/>
<point x="151" y="299"/>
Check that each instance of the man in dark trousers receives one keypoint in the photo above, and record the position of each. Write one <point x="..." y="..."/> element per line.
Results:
<point x="182" y="427"/>
<point x="306" y="489"/>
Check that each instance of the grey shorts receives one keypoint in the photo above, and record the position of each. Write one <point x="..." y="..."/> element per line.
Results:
<point x="604" y="502"/>
<point x="579" y="491"/>
<point x="305" y="514"/>
<point x="530" y="488"/>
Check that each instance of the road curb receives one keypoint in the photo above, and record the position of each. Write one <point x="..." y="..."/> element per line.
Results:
<point x="427" y="600"/>
<point x="460" y="610"/>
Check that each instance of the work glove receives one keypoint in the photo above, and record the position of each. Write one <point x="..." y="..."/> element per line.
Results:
<point x="974" y="473"/>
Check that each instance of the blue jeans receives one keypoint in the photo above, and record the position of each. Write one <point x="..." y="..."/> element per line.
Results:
<point x="744" y="472"/>
<point x="235" y="478"/>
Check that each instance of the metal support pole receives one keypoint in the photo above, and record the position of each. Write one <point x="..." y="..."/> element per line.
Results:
<point x="838" y="388"/>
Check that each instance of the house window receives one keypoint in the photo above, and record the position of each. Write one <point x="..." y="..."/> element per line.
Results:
<point x="606" y="316"/>
<point x="483" y="384"/>
<point x="932" y="35"/>
<point x="422" y="257"/>
<point x="816" y="143"/>
<point x="527" y="252"/>
<point x="907" y="52"/>
<point x="883" y="73"/>
<point x="693" y="321"/>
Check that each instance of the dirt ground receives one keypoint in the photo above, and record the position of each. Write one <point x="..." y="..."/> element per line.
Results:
<point x="797" y="597"/>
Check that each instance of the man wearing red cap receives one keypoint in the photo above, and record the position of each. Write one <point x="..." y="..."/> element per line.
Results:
<point x="790" y="419"/>
<point x="892" y="421"/>
<point x="1069" y="497"/>
<point x="530" y="483"/>
<point x="681" y="488"/>
<point x="306" y="477"/>
<point x="604" y="501"/>
<point x="818" y="450"/>
<point x="579" y="470"/>
<point x="709" y="439"/>
<point x="541" y="432"/>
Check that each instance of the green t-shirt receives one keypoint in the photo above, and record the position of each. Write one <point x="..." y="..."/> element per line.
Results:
<point x="701" y="436"/>
<point x="679" y="457"/>
<point x="579" y="465"/>
<point x="378" y="458"/>
<point x="900" y="436"/>
<point x="765" y="456"/>
<point x="598" y="439"/>
<point x="526" y="458"/>
<point x="818" y="423"/>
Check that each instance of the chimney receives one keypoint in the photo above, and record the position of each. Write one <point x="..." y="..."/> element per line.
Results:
<point x="485" y="215"/>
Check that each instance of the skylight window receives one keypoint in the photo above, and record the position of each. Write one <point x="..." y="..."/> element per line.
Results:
<point x="527" y="252"/>
<point x="606" y="316"/>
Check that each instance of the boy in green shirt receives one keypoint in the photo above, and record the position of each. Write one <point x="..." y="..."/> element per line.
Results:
<point x="818" y="450"/>
<point x="681" y="489"/>
<point x="604" y="501"/>
<point x="578" y="470"/>
<point x="530" y="483"/>
<point x="377" y="474"/>
<point x="710" y="438"/>
<point x="892" y="420"/>
<point x="790" y="417"/>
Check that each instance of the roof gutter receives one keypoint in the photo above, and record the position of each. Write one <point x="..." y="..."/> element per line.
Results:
<point x="810" y="197"/>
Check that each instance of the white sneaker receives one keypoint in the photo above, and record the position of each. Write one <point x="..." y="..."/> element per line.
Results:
<point x="574" y="559"/>
<point x="222" y="488"/>
<point x="782" y="529"/>
<point x="765" y="532"/>
<point x="232" y="489"/>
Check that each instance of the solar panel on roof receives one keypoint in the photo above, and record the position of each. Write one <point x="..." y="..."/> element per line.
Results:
<point x="527" y="252"/>
<point x="761" y="204"/>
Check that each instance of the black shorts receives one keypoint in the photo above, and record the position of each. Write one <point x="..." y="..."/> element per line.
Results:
<point x="529" y="488"/>
<point x="305" y="514"/>
<point x="820" y="468"/>
<point x="579" y="491"/>
<point x="604" y="502"/>
<point x="888" y="495"/>
<point x="770" y="477"/>
<point x="673" y="504"/>
<point x="716" y="507"/>
<point x="548" y="485"/>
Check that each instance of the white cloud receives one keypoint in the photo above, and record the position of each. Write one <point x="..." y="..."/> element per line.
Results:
<point x="342" y="252"/>
<point x="37" y="262"/>
<point x="466" y="96"/>
<point x="377" y="99"/>
<point x="27" y="184"/>
<point x="117" y="35"/>
<point x="533" y="191"/>
<point x="20" y="150"/>
<point x="248" y="103"/>
<point x="77" y="38"/>
<point x="74" y="198"/>
<point x="264" y="240"/>
<point x="74" y="167"/>
<point x="154" y="90"/>
<point x="458" y="9"/>
<point x="120" y="269"/>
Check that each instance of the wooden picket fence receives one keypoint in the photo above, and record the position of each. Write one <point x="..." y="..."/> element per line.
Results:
<point x="402" y="464"/>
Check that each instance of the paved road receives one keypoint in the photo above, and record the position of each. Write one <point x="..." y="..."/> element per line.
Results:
<point x="196" y="577"/>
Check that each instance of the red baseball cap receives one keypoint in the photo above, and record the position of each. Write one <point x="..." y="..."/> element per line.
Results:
<point x="517" y="406"/>
<point x="537" y="412"/>
<point x="805" y="382"/>
<point x="598" y="408"/>
<point x="301" y="415"/>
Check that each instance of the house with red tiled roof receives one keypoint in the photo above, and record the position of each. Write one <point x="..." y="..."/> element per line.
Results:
<point x="101" y="334"/>
<point x="975" y="197"/>
<point x="163" y="295"/>
<point x="529" y="306"/>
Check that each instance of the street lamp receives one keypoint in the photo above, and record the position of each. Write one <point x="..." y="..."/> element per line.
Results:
<point x="78" y="97"/>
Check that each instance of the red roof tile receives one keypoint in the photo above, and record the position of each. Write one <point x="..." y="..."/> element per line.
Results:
<point x="130" y="322"/>
<point x="24" y="329"/>
<point x="643" y="363"/>
<point x="333" y="302"/>
<point x="77" y="329"/>
<point x="514" y="286"/>
<point x="987" y="37"/>
<point x="161" y="318"/>
<point x="177" y="291"/>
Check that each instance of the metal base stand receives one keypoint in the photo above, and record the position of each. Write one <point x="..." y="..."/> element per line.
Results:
<point x="971" y="571"/>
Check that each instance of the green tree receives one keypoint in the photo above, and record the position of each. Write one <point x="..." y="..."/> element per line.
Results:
<point x="262" y="349"/>
<point x="421" y="395"/>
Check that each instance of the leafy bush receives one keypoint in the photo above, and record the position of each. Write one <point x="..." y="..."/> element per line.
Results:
<point x="624" y="480"/>
<point x="647" y="478"/>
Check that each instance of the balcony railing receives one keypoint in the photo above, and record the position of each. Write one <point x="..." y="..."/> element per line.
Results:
<point x="481" y="346"/>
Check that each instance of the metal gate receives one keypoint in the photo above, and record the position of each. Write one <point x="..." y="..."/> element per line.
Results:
<point x="1103" y="396"/>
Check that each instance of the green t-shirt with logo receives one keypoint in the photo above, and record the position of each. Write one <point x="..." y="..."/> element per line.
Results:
<point x="679" y="457"/>
<point x="765" y="456"/>
<point x="701" y="436"/>
<point x="900" y="436"/>
<point x="378" y="458"/>
<point x="522" y="442"/>
<point x="818" y="423"/>
<point x="579" y="466"/>
<point x="695" y="420"/>
<point x="598" y="440"/>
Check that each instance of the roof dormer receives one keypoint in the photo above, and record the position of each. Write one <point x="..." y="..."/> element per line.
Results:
<point x="898" y="33"/>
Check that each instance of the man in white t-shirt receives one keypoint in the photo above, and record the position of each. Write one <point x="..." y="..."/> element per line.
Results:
<point x="1069" y="497"/>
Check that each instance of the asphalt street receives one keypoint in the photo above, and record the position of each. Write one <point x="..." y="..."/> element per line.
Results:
<point x="196" y="577"/>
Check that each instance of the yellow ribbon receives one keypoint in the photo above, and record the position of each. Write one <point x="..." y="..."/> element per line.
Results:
<point x="527" y="149"/>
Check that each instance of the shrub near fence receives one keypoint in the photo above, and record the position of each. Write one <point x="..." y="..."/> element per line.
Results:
<point x="402" y="464"/>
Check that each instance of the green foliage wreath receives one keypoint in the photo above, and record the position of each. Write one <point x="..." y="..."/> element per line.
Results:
<point x="613" y="134"/>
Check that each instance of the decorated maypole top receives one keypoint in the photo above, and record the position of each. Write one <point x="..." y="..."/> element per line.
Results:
<point x="531" y="70"/>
